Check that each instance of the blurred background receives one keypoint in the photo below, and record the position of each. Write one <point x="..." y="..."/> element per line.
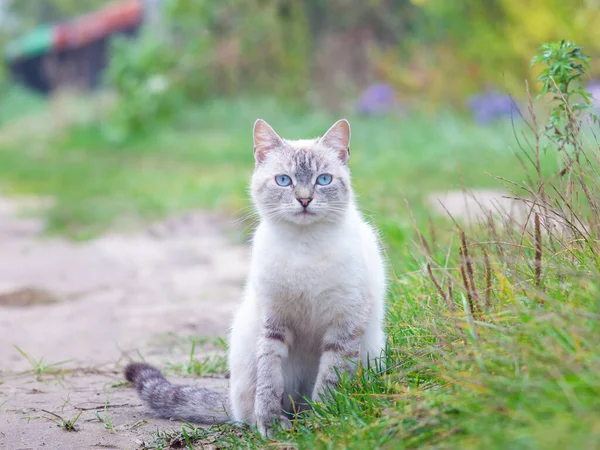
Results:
<point x="341" y="55"/>
<point x="429" y="84"/>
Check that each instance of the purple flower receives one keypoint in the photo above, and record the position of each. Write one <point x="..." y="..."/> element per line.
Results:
<point x="377" y="99"/>
<point x="594" y="89"/>
<point x="491" y="106"/>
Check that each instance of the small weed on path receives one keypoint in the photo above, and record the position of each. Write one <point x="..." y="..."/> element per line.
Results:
<point x="39" y="368"/>
<point x="106" y="421"/>
<point x="118" y="384"/>
<point x="65" y="424"/>
<point x="104" y="418"/>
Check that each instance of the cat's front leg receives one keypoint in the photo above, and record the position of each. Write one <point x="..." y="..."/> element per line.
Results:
<point x="272" y="349"/>
<point x="340" y="354"/>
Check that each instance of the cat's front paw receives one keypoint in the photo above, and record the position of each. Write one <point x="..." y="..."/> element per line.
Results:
<point x="267" y="427"/>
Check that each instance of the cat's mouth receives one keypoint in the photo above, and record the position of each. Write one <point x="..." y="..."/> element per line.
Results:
<point x="305" y="212"/>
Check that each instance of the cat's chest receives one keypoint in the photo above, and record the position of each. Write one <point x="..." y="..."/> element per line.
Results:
<point x="303" y="266"/>
<point x="304" y="270"/>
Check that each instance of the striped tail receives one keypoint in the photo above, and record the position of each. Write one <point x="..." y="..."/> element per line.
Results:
<point x="169" y="401"/>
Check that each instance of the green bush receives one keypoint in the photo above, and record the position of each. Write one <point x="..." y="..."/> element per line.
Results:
<point x="235" y="45"/>
<point x="565" y="65"/>
<point x="141" y="73"/>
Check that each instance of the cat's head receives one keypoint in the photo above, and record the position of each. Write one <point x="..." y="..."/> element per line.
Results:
<point x="301" y="182"/>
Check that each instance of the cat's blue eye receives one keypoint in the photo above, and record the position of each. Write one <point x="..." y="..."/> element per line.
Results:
<point x="283" y="180"/>
<point x="324" y="179"/>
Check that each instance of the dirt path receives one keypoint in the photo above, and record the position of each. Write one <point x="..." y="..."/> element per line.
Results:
<point x="96" y="304"/>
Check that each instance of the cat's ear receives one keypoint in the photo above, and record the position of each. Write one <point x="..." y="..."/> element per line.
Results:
<point x="265" y="140"/>
<point x="338" y="139"/>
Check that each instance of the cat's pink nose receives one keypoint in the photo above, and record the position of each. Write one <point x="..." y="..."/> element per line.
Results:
<point x="304" y="201"/>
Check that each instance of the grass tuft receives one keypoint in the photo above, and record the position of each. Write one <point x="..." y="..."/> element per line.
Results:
<point x="213" y="364"/>
<point x="65" y="424"/>
<point x="39" y="367"/>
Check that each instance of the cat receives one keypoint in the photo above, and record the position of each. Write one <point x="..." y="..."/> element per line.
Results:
<point x="314" y="301"/>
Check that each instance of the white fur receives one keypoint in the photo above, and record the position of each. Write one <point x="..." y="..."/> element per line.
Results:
<point x="315" y="276"/>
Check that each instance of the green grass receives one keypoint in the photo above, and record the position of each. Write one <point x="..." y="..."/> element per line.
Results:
<point x="213" y="364"/>
<point x="40" y="368"/>
<point x="520" y="370"/>
<point x="16" y="101"/>
<point x="104" y="418"/>
<point x="66" y="424"/>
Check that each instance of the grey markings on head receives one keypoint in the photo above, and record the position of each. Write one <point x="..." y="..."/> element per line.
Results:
<point x="303" y="161"/>
<point x="307" y="165"/>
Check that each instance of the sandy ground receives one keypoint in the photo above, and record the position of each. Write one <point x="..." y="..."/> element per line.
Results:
<point x="475" y="206"/>
<point x="97" y="304"/>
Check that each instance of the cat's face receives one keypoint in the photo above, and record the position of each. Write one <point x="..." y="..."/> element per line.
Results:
<point x="301" y="182"/>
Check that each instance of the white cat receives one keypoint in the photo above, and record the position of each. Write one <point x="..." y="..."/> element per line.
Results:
<point x="314" y="301"/>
